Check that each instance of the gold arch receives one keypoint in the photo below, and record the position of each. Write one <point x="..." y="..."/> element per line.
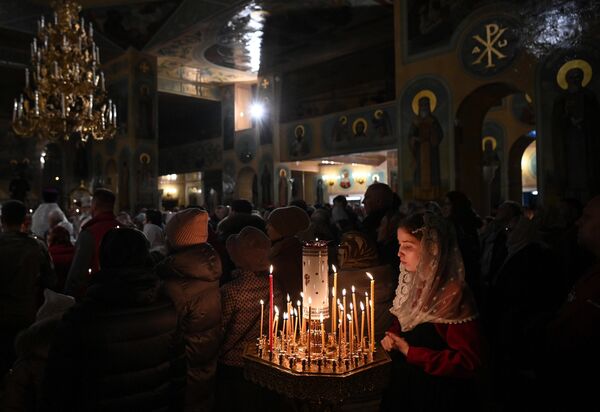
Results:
<point x="489" y="138"/>
<point x="378" y="114"/>
<point x="424" y="93"/>
<point x="561" y="76"/>
<point x="145" y="158"/>
<point x="343" y="119"/>
<point x="356" y="122"/>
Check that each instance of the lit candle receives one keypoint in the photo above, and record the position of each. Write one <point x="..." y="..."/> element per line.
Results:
<point x="274" y="327"/>
<point x="362" y="324"/>
<point x="344" y="304"/>
<point x="289" y="310"/>
<point x="283" y="328"/>
<point x="334" y="293"/>
<point x="372" y="312"/>
<point x="271" y="306"/>
<point x="368" y="315"/>
<point x="91" y="108"/>
<point x="15" y="107"/>
<point x="37" y="103"/>
<point x="295" y="324"/>
<point x="352" y="309"/>
<point x="302" y="314"/>
<point x="354" y="314"/>
<point x="309" y="325"/>
<point x="350" y="327"/>
<point x="42" y="22"/>
<point x="322" y="335"/>
<point x="262" y="313"/>
<point x="26" y="78"/>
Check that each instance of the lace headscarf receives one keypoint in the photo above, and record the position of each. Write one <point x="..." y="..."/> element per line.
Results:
<point x="437" y="291"/>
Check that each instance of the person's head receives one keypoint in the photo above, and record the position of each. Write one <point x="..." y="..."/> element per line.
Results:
<point x="241" y="207"/>
<point x="286" y="221"/>
<point x="186" y="228"/>
<point x="249" y="249"/>
<point x="221" y="212"/>
<point x="424" y="107"/>
<point x="509" y="211"/>
<point x="154" y="216"/>
<point x="299" y="203"/>
<point x="50" y="195"/>
<point x="58" y="235"/>
<point x="103" y="201"/>
<point x="13" y="215"/>
<point x="588" y="234"/>
<point x="340" y="200"/>
<point x="378" y="196"/>
<point x="356" y="251"/>
<point x="123" y="248"/>
<point x="456" y="203"/>
<point x="410" y="233"/>
<point x="124" y="219"/>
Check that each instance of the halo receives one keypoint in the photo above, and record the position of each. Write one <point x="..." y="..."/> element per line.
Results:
<point x="343" y="119"/>
<point x="489" y="138"/>
<point x="378" y="114"/>
<point x="145" y="158"/>
<point x="424" y="93"/>
<point x="299" y="127"/>
<point x="528" y="98"/>
<point x="574" y="64"/>
<point x="356" y="122"/>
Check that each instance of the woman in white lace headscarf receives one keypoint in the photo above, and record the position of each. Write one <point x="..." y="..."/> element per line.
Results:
<point x="436" y="341"/>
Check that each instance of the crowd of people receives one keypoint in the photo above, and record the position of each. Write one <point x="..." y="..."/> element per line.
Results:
<point x="153" y="312"/>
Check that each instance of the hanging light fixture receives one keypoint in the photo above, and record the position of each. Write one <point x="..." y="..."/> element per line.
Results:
<point x="64" y="95"/>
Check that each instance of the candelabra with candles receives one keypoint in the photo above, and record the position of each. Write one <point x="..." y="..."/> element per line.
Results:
<point x="65" y="93"/>
<point x="302" y="342"/>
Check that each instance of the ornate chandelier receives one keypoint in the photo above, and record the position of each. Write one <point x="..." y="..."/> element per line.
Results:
<point x="64" y="95"/>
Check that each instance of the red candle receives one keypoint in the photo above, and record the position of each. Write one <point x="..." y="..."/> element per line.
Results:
<point x="271" y="308"/>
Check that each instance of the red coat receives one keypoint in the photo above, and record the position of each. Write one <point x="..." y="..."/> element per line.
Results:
<point x="462" y="358"/>
<point x="98" y="226"/>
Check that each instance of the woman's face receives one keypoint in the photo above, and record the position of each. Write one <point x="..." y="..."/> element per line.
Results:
<point x="409" y="251"/>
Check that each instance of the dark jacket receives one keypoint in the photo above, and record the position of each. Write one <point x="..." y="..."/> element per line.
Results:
<point x="62" y="257"/>
<point x="191" y="277"/>
<point x="118" y="350"/>
<point x="25" y="270"/>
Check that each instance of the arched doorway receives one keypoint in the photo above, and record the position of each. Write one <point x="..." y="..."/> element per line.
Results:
<point x="245" y="184"/>
<point x="470" y="118"/>
<point x="515" y="172"/>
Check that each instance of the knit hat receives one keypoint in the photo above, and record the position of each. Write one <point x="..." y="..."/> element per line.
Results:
<point x="249" y="249"/>
<point x="187" y="228"/>
<point x="288" y="221"/>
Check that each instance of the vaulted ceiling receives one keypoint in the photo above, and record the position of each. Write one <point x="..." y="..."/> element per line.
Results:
<point x="214" y="41"/>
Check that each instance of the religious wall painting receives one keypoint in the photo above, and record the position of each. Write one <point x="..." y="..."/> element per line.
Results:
<point x="228" y="114"/>
<point x="283" y="186"/>
<point x="363" y="130"/>
<point x="575" y="116"/>
<point x="265" y="123"/>
<point x="492" y="146"/>
<point x="146" y="119"/>
<point x="299" y="140"/>
<point x="345" y="180"/>
<point x="425" y="158"/>
<point x="430" y="24"/>
<point x="490" y="46"/>
<point x="266" y="180"/>
<point x="245" y="146"/>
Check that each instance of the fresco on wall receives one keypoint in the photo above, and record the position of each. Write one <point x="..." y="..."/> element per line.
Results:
<point x="492" y="146"/>
<point x="522" y="108"/>
<point x="299" y="138"/>
<point x="228" y="118"/>
<point x="191" y="157"/>
<point x="431" y="24"/>
<point x="364" y="130"/>
<point x="266" y="180"/>
<point x="426" y="118"/>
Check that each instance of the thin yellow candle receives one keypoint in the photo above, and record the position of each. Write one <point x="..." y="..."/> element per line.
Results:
<point x="309" y="325"/>
<point x="342" y="319"/>
<point x="322" y="334"/>
<point x="372" y="312"/>
<point x="368" y="315"/>
<point x="262" y="308"/>
<point x="351" y="313"/>
<point x="351" y="335"/>
<point x="295" y="324"/>
<point x="289" y="311"/>
<point x="284" y="325"/>
<point x="302" y="314"/>
<point x="275" y="321"/>
<point x="334" y="293"/>
<point x="345" y="312"/>
<point x="362" y="324"/>
<point x="354" y="315"/>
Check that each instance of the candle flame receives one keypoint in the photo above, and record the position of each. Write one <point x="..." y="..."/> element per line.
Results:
<point x="333" y="292"/>
<point x="334" y="268"/>
<point x="349" y="317"/>
<point x="302" y="295"/>
<point x="90" y="270"/>
<point x="276" y="310"/>
<point x="285" y="315"/>
<point x="298" y="303"/>
<point x="344" y="292"/>
<point x="353" y="289"/>
<point x="321" y="318"/>
<point x="262" y="302"/>
<point x="288" y="297"/>
<point x="295" y="312"/>
<point x="338" y="302"/>
<point x="271" y="269"/>
<point x="362" y="306"/>
<point x="369" y="275"/>
<point x="351" y="307"/>
<point x="367" y="294"/>
<point x="341" y="307"/>
<point x="310" y="301"/>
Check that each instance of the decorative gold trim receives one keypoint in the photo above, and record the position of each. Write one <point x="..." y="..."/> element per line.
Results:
<point x="356" y="122"/>
<point x="145" y="158"/>
<point x="485" y="139"/>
